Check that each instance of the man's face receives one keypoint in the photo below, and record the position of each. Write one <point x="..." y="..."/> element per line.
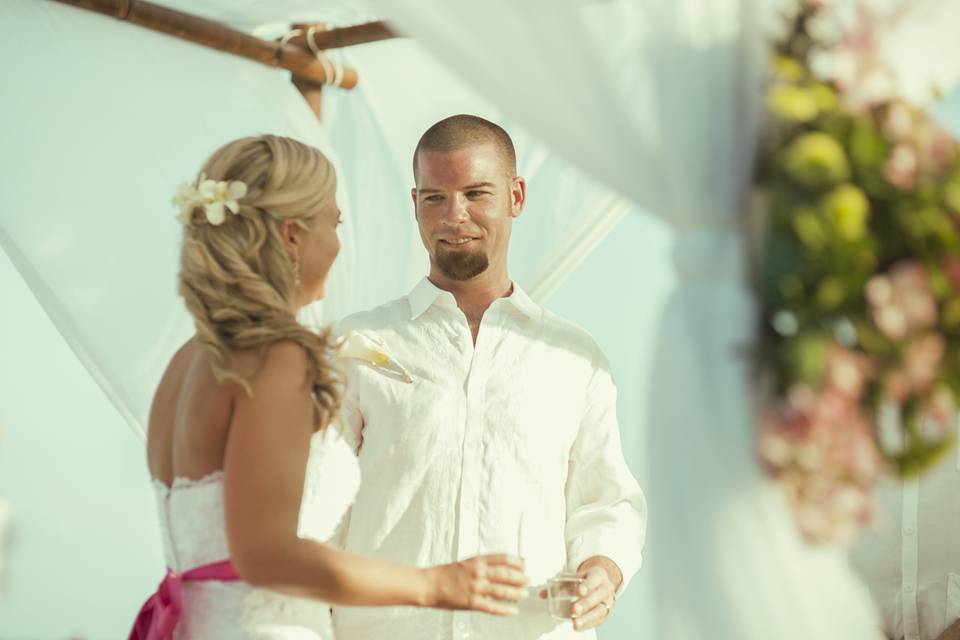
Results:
<point x="465" y="202"/>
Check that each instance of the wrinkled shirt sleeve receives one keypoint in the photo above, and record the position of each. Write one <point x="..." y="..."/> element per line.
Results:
<point x="606" y="509"/>
<point x="351" y="424"/>
<point x="351" y="417"/>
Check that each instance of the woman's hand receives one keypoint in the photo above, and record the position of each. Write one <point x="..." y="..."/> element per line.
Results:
<point x="485" y="583"/>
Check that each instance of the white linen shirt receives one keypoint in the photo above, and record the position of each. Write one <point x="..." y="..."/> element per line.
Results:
<point x="910" y="555"/>
<point x="509" y="446"/>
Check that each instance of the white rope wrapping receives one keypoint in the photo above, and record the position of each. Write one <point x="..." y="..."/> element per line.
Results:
<point x="286" y="38"/>
<point x="332" y="70"/>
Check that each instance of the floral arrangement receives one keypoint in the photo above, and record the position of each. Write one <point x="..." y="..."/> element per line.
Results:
<point x="858" y="273"/>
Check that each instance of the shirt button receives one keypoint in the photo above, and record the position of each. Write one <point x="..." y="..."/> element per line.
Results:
<point x="908" y="531"/>
<point x="908" y="588"/>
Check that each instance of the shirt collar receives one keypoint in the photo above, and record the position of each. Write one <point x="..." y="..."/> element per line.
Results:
<point x="426" y="294"/>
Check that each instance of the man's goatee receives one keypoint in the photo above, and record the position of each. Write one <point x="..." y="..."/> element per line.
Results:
<point x="461" y="265"/>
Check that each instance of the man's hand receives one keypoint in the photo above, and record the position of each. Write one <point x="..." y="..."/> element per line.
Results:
<point x="951" y="633"/>
<point x="601" y="579"/>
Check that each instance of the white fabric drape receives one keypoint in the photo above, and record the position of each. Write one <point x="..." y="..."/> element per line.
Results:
<point x="374" y="130"/>
<point x="672" y="127"/>
<point x="656" y="100"/>
<point x="578" y="244"/>
<point x="532" y="59"/>
<point x="101" y="141"/>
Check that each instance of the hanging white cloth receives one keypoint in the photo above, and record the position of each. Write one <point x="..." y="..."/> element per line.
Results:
<point x="101" y="146"/>
<point x="673" y="127"/>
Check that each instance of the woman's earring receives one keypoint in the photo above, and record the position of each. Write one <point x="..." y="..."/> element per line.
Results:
<point x="296" y="273"/>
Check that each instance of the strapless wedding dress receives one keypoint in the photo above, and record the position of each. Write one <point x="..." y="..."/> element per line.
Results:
<point x="192" y="524"/>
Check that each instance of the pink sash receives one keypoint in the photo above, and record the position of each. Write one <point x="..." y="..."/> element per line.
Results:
<point x="161" y="612"/>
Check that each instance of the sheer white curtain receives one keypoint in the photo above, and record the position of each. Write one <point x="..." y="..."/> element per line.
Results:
<point x="403" y="90"/>
<point x="101" y="121"/>
<point x="660" y="101"/>
<point x="106" y="120"/>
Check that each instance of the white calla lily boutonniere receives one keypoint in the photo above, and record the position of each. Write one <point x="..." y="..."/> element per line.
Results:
<point x="357" y="346"/>
<point x="216" y="198"/>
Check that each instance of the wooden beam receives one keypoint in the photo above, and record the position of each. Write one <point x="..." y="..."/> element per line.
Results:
<point x="324" y="38"/>
<point x="312" y="93"/>
<point x="217" y="36"/>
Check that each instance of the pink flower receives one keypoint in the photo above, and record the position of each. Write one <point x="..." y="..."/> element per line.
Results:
<point x="938" y="415"/>
<point x="921" y="364"/>
<point x="898" y="121"/>
<point x="951" y="267"/>
<point x="901" y="168"/>
<point x="922" y="361"/>
<point x="936" y="147"/>
<point x="896" y="386"/>
<point x="943" y="149"/>
<point x="820" y="449"/>
<point x="901" y="301"/>
<point x="847" y="371"/>
<point x="854" y="58"/>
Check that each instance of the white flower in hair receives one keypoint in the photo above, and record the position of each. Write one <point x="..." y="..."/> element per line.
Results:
<point x="215" y="198"/>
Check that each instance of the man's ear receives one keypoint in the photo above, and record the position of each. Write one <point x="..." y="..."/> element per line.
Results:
<point x="518" y="196"/>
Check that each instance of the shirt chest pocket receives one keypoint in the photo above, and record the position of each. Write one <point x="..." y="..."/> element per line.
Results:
<point x="545" y="409"/>
<point x="409" y="420"/>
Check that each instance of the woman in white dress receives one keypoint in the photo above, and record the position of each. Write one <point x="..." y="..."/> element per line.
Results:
<point x="245" y="403"/>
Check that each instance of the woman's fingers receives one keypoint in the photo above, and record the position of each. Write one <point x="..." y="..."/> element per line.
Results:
<point x="507" y="575"/>
<point x="503" y="592"/>
<point x="492" y="606"/>
<point x="503" y="559"/>
<point x="497" y="583"/>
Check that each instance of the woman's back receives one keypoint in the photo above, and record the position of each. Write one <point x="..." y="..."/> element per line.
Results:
<point x="186" y="437"/>
<point x="189" y="419"/>
<point x="188" y="430"/>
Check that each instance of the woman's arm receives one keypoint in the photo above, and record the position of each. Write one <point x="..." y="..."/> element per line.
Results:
<point x="264" y="468"/>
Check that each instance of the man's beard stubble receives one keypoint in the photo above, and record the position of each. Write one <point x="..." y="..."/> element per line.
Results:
<point x="462" y="265"/>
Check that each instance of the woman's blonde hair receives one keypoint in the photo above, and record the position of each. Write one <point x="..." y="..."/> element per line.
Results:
<point x="237" y="278"/>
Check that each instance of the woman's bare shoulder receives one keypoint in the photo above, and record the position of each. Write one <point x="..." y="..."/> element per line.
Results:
<point x="283" y="362"/>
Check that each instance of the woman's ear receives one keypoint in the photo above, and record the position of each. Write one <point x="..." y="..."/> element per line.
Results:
<point x="290" y="234"/>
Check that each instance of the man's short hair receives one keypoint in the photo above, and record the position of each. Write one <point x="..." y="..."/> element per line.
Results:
<point x="464" y="130"/>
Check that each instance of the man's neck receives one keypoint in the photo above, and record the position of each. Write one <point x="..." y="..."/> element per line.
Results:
<point x="475" y="296"/>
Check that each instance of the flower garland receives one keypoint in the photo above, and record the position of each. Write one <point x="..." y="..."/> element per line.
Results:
<point x="857" y="273"/>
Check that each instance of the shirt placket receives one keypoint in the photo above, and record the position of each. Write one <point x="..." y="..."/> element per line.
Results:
<point x="468" y="532"/>
<point x="909" y="564"/>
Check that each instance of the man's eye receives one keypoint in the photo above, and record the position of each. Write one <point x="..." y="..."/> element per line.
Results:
<point x="433" y="198"/>
<point x="476" y="194"/>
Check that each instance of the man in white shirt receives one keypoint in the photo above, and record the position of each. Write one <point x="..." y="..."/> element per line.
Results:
<point x="910" y="556"/>
<point x="501" y="434"/>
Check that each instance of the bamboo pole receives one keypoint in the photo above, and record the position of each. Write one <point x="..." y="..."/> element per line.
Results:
<point x="337" y="74"/>
<point x="312" y="93"/>
<point x="302" y="63"/>
<point x="324" y="38"/>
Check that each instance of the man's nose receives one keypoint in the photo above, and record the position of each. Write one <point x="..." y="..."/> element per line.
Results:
<point x="456" y="210"/>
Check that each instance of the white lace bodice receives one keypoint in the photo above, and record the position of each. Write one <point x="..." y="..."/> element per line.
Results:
<point x="192" y="524"/>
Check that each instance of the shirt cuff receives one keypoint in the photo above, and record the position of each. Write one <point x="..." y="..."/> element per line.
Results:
<point x="626" y="554"/>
